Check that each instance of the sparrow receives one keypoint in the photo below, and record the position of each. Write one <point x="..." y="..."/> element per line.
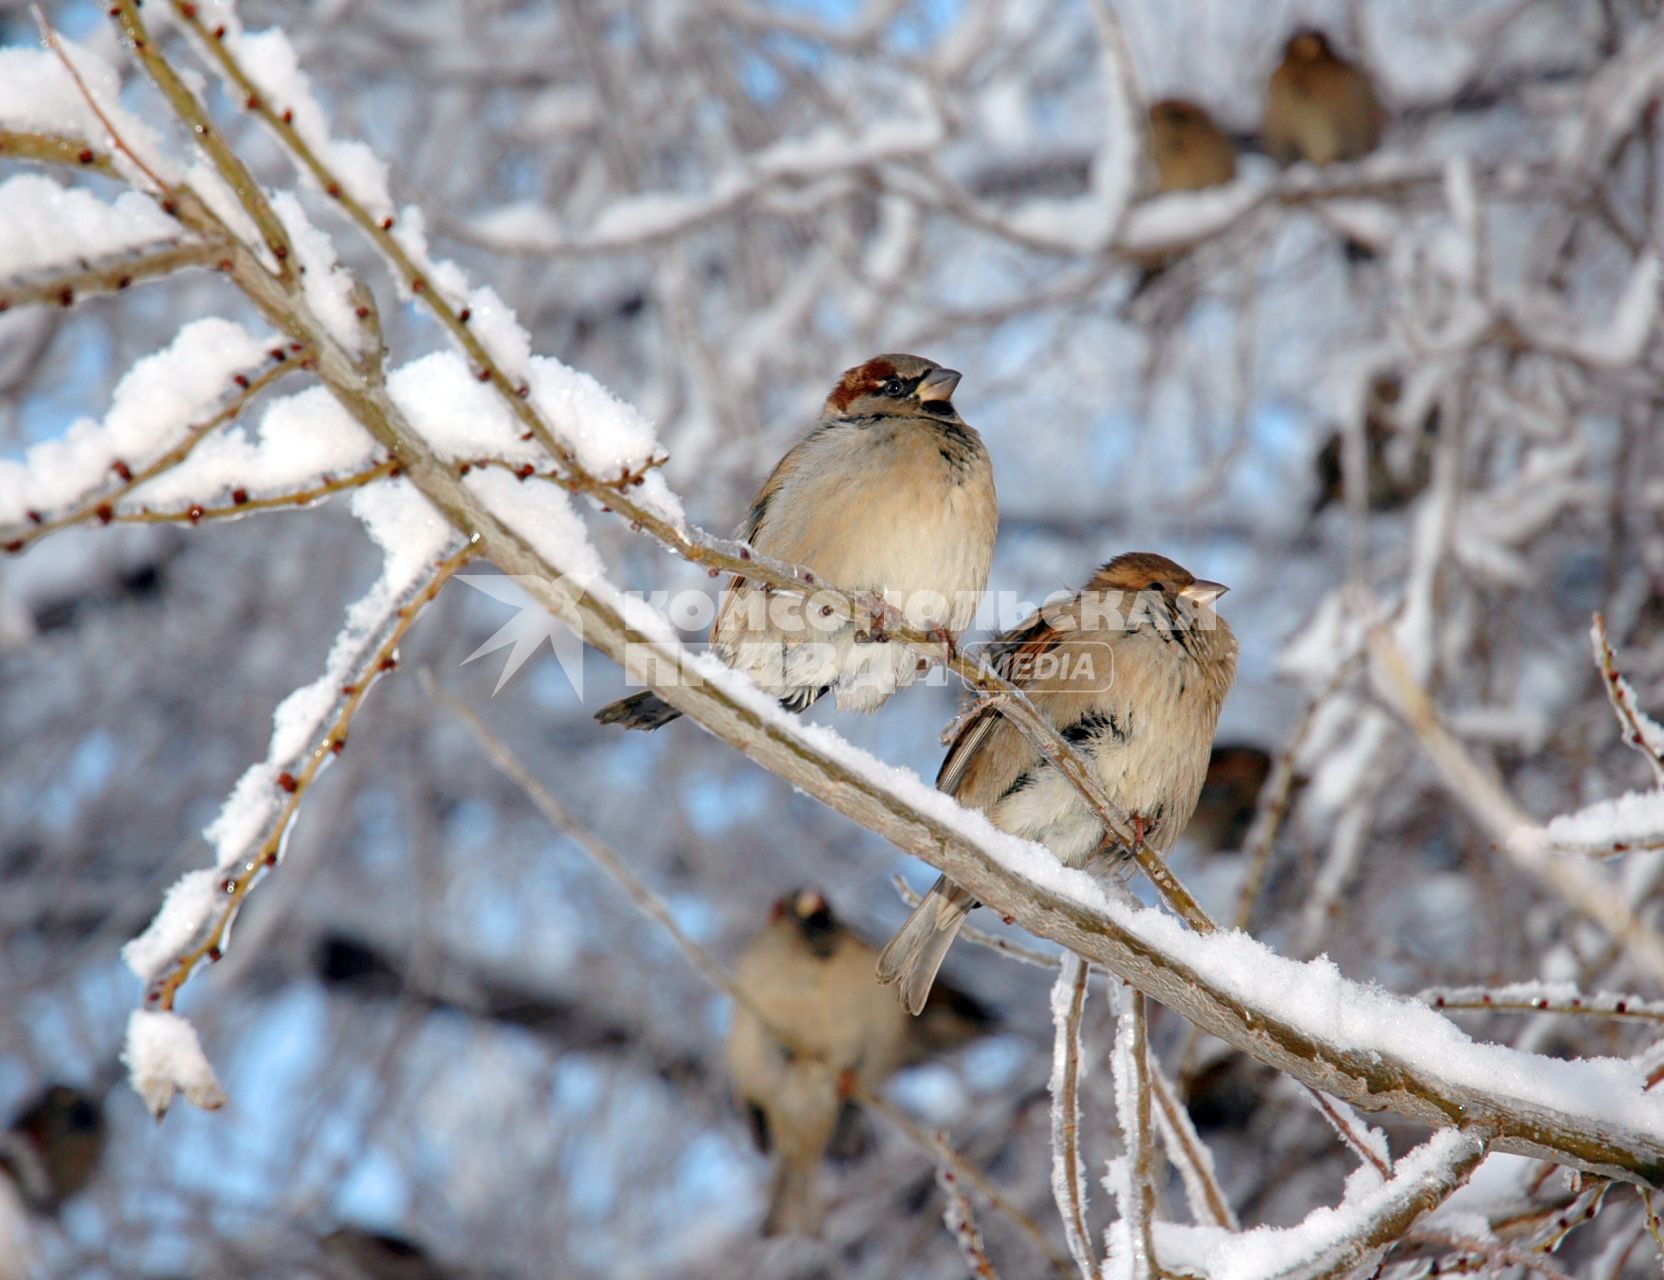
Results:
<point x="1318" y="106"/>
<point x="355" y="1253"/>
<point x="811" y="978"/>
<point x="892" y="494"/>
<point x="1399" y="460"/>
<point x="1132" y="670"/>
<point x="1187" y="149"/>
<point x="52" y="1147"/>
<point x="1230" y="795"/>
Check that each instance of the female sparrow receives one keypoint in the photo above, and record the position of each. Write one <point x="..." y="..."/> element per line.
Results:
<point x="1133" y="671"/>
<point x="811" y="978"/>
<point x="1319" y="107"/>
<point x="1187" y="148"/>
<point x="891" y="493"/>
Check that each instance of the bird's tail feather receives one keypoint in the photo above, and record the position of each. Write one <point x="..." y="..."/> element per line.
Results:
<point x="919" y="947"/>
<point x="794" y="1206"/>
<point x="644" y="710"/>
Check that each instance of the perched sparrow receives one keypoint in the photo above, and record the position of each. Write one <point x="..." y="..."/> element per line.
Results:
<point x="1187" y="148"/>
<point x="1230" y="795"/>
<point x="51" y="1149"/>
<point x="891" y="493"/>
<point x="1132" y="671"/>
<point x="1319" y="107"/>
<point x="812" y="980"/>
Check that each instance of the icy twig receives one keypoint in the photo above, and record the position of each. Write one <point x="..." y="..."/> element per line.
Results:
<point x="1490" y="1255"/>
<point x="196" y="513"/>
<point x="1544" y="998"/>
<point x="1190" y="1155"/>
<point x="1132" y="1252"/>
<point x="1365" y="1141"/>
<point x="378" y="657"/>
<point x="1068" y="1169"/>
<point x="100" y="505"/>
<point x="1640" y="731"/>
<point x="960" y="1221"/>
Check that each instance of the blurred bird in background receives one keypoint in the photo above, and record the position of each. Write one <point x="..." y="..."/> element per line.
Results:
<point x="1188" y="151"/>
<point x="1230" y="794"/>
<point x="1319" y="107"/>
<point x="1133" y="672"/>
<point x="892" y="493"/>
<point x="811" y="980"/>
<point x="51" y="1149"/>
<point x="355" y="1253"/>
<point x="1399" y="458"/>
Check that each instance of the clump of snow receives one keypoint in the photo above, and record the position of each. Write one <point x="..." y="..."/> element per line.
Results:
<point x="37" y="95"/>
<point x="461" y="417"/>
<point x="155" y="406"/>
<point x="410" y="233"/>
<point x="271" y="62"/>
<point x="301" y="439"/>
<point x="1635" y="818"/>
<point x="164" y="1058"/>
<point x="177" y="927"/>
<point x="326" y="285"/>
<point x="494" y="324"/>
<point x="546" y="518"/>
<point x="608" y="436"/>
<point x="46" y="227"/>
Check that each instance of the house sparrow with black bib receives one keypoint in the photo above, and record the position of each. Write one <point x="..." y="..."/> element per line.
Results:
<point x="1319" y="107"/>
<point x="1133" y="671"/>
<point x="812" y="980"/>
<point x="891" y="494"/>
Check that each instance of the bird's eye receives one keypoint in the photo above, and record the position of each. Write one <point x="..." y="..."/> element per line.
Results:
<point x="1156" y="586"/>
<point x="890" y="387"/>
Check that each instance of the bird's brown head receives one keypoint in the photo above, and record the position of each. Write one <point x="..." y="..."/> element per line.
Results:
<point x="1309" y="45"/>
<point x="1137" y="572"/>
<point x="894" y="386"/>
<point x="809" y="913"/>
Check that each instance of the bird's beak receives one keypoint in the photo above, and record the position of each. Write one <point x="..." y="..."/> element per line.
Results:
<point x="1203" y="592"/>
<point x="938" y="384"/>
<point x="810" y="903"/>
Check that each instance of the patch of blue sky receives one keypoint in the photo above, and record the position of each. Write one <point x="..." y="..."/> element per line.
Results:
<point x="715" y="806"/>
<point x="60" y="800"/>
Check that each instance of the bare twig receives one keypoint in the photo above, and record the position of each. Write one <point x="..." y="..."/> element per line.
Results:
<point x="1639" y="732"/>
<point x="960" y="1221"/>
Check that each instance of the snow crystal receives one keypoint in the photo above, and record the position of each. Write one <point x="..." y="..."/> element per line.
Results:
<point x="154" y="407"/>
<point x="46" y="227"/>
<point x="164" y="1057"/>
<point x="1636" y="817"/>
<point x="177" y="927"/>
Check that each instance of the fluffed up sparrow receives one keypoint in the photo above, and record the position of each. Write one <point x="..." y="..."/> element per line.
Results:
<point x="1399" y="456"/>
<point x="1229" y="798"/>
<point x="1132" y="670"/>
<point x="1318" y="106"/>
<point x="812" y="979"/>
<point x="1188" y="151"/>
<point x="890" y="494"/>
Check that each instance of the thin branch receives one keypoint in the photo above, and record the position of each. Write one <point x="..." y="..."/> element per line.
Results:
<point x="55" y="148"/>
<point x="1523" y="1000"/>
<point x="960" y="1221"/>
<point x="1136" y="1177"/>
<point x="1639" y="731"/>
<point x="99" y="505"/>
<point x="1068" y="1169"/>
<point x="377" y="658"/>
<point x="112" y="275"/>
<point x="1190" y="1155"/>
